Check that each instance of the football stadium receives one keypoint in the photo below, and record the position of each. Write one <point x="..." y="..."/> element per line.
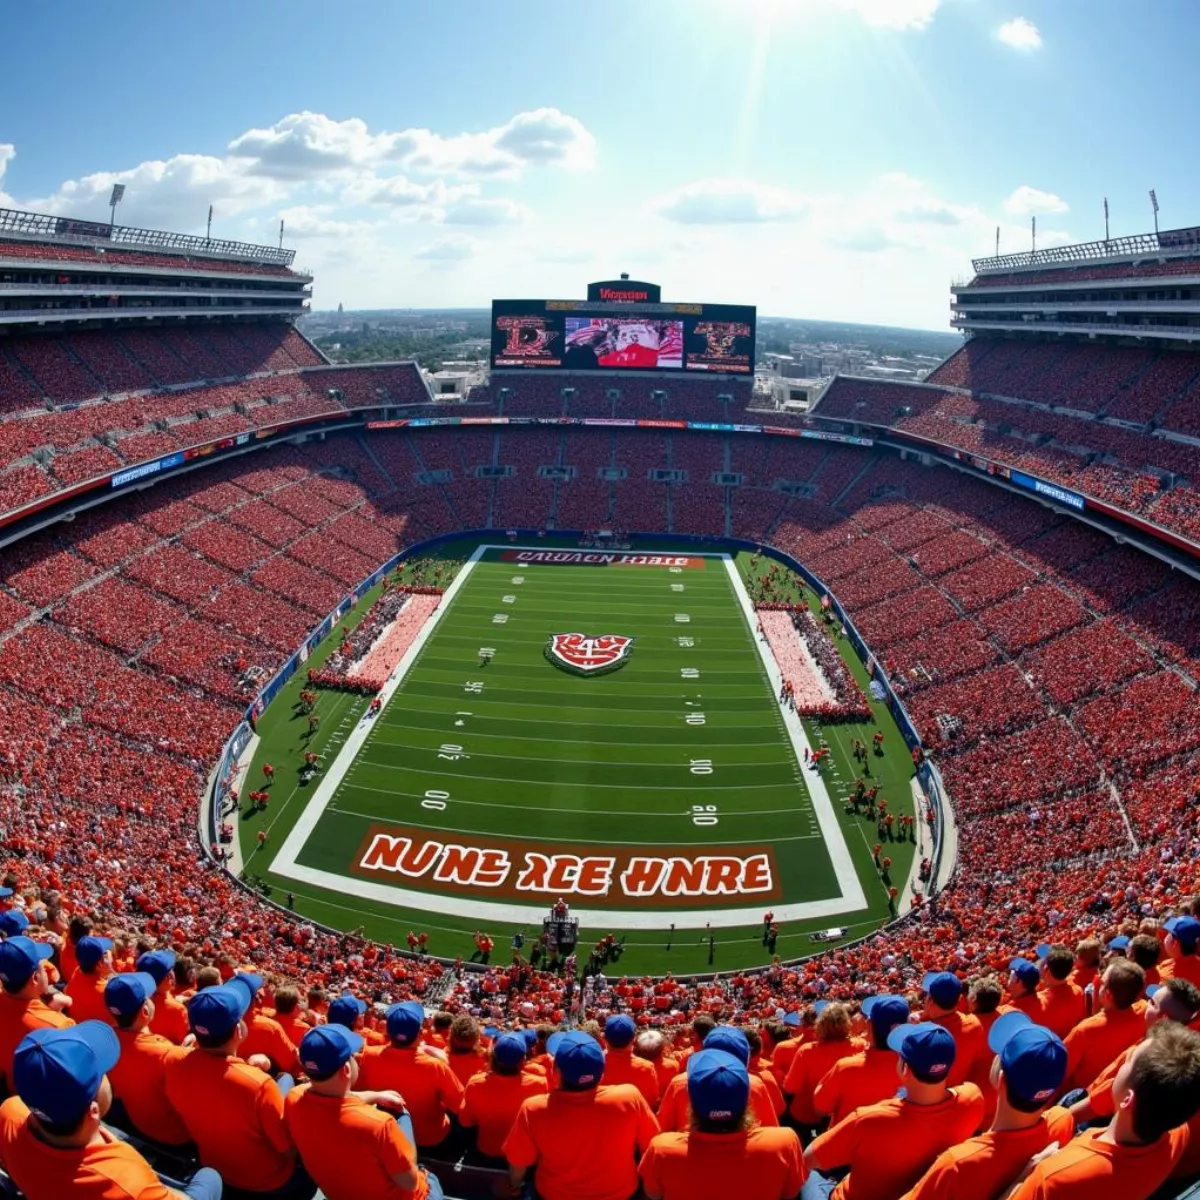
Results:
<point x="602" y="782"/>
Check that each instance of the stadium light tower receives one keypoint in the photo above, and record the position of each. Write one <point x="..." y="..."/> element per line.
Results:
<point x="1154" y="205"/>
<point x="118" y="194"/>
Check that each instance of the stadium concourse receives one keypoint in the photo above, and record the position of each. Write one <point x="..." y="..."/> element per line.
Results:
<point x="1050" y="668"/>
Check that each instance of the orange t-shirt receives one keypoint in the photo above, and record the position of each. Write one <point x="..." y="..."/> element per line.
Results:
<point x="981" y="1168"/>
<point x="491" y="1102"/>
<point x="665" y="1069"/>
<point x="139" y="1081"/>
<point x="1100" y="1170"/>
<point x="294" y="1026"/>
<point x="970" y="1041"/>
<point x="1063" y="1007"/>
<point x="675" y="1111"/>
<point x="1187" y="967"/>
<point x="760" y="1163"/>
<point x="811" y="1064"/>
<point x="430" y="1089"/>
<point x="351" y="1148"/>
<point x="106" y="1170"/>
<point x="620" y="1066"/>
<point x="467" y="1066"/>
<point x="1094" y="1043"/>
<point x="87" y="998"/>
<point x="889" y="1146"/>
<point x="266" y="1036"/>
<point x="865" y="1078"/>
<point x="19" y="1017"/>
<point x="583" y="1143"/>
<point x="170" y="1018"/>
<point x="781" y="1059"/>
<point x="234" y="1113"/>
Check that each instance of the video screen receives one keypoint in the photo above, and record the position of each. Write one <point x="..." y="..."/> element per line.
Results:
<point x="726" y="346"/>
<point x="527" y="340"/>
<point x="623" y="343"/>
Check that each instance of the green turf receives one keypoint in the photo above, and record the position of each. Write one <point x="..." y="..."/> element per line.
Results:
<point x="592" y="761"/>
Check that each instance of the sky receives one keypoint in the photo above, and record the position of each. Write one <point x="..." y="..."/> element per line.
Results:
<point x="828" y="159"/>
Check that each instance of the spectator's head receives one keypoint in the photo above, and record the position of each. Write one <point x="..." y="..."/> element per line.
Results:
<point x="578" y="1061"/>
<point x="1145" y="950"/>
<point x="1118" y="946"/>
<point x="1176" y="1000"/>
<point x="943" y="990"/>
<point x="986" y="995"/>
<point x="22" y="966"/>
<point x="1030" y="1062"/>
<point x="159" y="964"/>
<point x="348" y="1010"/>
<point x="94" y="955"/>
<point x="833" y="1022"/>
<point x="884" y="1013"/>
<point x="1122" y="984"/>
<point x="508" y="1054"/>
<point x="1023" y="977"/>
<point x="207" y="977"/>
<point x="318" y="999"/>
<point x="215" y="1017"/>
<point x="1087" y="954"/>
<point x="441" y="1022"/>
<point x="1057" y="963"/>
<point x="1194" y="906"/>
<point x="287" y="1000"/>
<point x="650" y="1045"/>
<point x="774" y="1032"/>
<point x="404" y="1022"/>
<point x="619" y="1031"/>
<point x="328" y="1056"/>
<point x="61" y="1075"/>
<point x="1183" y="935"/>
<point x="731" y="1040"/>
<point x="702" y="1026"/>
<point x="719" y="1091"/>
<point x="79" y="927"/>
<point x="753" y="1039"/>
<point x="129" y="998"/>
<point x="1158" y="1087"/>
<point x="185" y="974"/>
<point x="926" y="1054"/>
<point x="464" y="1034"/>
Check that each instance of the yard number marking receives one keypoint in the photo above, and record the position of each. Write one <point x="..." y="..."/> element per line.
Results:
<point x="500" y="619"/>
<point x="473" y="687"/>
<point x="686" y="642"/>
<point x="435" y="800"/>
<point x="452" y="752"/>
<point x="689" y="672"/>
<point x="701" y="766"/>
<point x="704" y="814"/>
<point x="682" y="619"/>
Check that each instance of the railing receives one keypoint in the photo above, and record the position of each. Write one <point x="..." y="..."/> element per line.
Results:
<point x="1171" y="242"/>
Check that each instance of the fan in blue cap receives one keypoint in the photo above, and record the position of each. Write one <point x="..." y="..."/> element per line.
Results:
<point x="718" y="1087"/>
<point x="13" y="922"/>
<point x="348" y="1010"/>
<point x="621" y="1066"/>
<point x="1183" y="938"/>
<point x="1023" y="979"/>
<point x="1032" y="1061"/>
<point x="22" y="970"/>
<point x="579" y="1061"/>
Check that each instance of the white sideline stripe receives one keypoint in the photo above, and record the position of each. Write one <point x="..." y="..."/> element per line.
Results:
<point x="850" y="898"/>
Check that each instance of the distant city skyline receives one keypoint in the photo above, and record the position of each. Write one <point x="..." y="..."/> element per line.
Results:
<point x="838" y="160"/>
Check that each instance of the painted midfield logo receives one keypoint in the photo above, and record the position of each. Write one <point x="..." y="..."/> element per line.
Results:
<point x="583" y="655"/>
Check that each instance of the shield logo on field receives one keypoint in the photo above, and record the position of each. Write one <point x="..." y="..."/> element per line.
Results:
<point x="584" y="655"/>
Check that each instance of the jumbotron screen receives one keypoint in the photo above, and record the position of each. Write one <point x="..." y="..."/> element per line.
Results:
<point x="575" y="335"/>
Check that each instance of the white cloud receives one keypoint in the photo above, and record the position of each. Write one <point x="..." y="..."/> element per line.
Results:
<point x="729" y="202"/>
<point x="1021" y="34"/>
<point x="471" y="211"/>
<point x="304" y="144"/>
<point x="400" y="193"/>
<point x="893" y="14"/>
<point x="309" y="221"/>
<point x="1027" y="200"/>
<point x="455" y="248"/>
<point x="7" y="153"/>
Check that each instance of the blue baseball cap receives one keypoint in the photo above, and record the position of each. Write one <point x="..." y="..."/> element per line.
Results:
<point x="530" y="1036"/>
<point x="125" y="994"/>
<point x="619" y="1031"/>
<point x="404" y="1021"/>
<point x="248" y="980"/>
<point x="57" y="1072"/>
<point x="718" y="1085"/>
<point x="509" y="1050"/>
<point x="159" y="963"/>
<point x="944" y="988"/>
<point x="327" y="1048"/>
<point x="791" y="1019"/>
<point x="1033" y="1059"/>
<point x="1027" y="972"/>
<point x="90" y="950"/>
<point x="579" y="1059"/>
<point x="20" y="957"/>
<point x="927" y="1048"/>
<point x="1120" y="942"/>
<point x="13" y="922"/>
<point x="884" y="1012"/>
<point x="346" y="1009"/>
<point x="216" y="1011"/>
<point x="5" y="892"/>
<point x="730" y="1039"/>
<point x="1185" y="930"/>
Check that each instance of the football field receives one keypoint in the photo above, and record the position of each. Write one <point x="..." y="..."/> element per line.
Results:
<point x="606" y="731"/>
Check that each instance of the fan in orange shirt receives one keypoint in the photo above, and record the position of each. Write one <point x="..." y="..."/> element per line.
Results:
<point x="725" y="1153"/>
<point x="813" y="1062"/>
<point x="492" y="1099"/>
<point x="294" y="1019"/>
<point x="1154" y="1094"/>
<point x="23" y="974"/>
<point x="1094" y="1043"/>
<point x="675" y="1112"/>
<point x="650" y="1046"/>
<point x="86" y="986"/>
<point x="1180" y="946"/>
<point x="464" y="1053"/>
<point x="1027" y="1071"/>
<point x="265" y="1036"/>
<point x="170" y="1013"/>
<point x="869" y="1077"/>
<point x="943" y="990"/>
<point x="1021" y="994"/>
<point x="1063" y="1003"/>
<point x="620" y="1065"/>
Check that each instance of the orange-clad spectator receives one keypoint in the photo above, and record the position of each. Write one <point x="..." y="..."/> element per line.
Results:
<point x="889" y="1146"/>
<point x="1154" y="1094"/>
<point x="725" y="1153"/>
<point x="867" y="1077"/>
<point x="943" y="990"/>
<point x="351" y="1147"/>
<point x="801" y="1030"/>
<point x="1022" y="990"/>
<point x="813" y="1062"/>
<point x="53" y="1143"/>
<point x="651" y="1047"/>
<point x="1146" y="950"/>
<point x="439" y="1030"/>
<point x="620" y="1064"/>
<point x="464" y="1053"/>
<point x="430" y="1089"/>
<point x="79" y="927"/>
<point x="86" y="985"/>
<point x="348" y="1011"/>
<point x="675" y="1113"/>
<point x="233" y="1110"/>
<point x="1094" y="1043"/>
<point x="170" y="1012"/>
<point x="1063" y="1003"/>
<point x="1026" y="1073"/>
<point x="1180" y="958"/>
<point x="293" y="1018"/>
<point x="702" y="1025"/>
<point x="139" y="1077"/>
<point x="760" y="1068"/>
<point x="984" y="998"/>
<point x="582" y="1139"/>
<point x="23" y="974"/>
<point x="1087" y="962"/>
<point x="265" y="1036"/>
<point x="492" y="1100"/>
